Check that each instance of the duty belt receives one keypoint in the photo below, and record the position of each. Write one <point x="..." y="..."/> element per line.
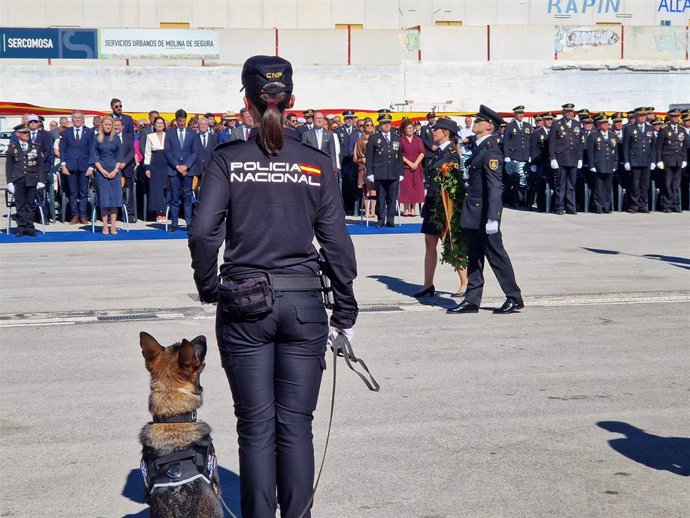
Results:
<point x="281" y="281"/>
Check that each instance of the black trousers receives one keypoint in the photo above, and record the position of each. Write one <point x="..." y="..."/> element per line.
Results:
<point x="274" y="365"/>
<point x="603" y="191"/>
<point x="669" y="195"/>
<point x="128" y="197"/>
<point x="639" y="188"/>
<point x="386" y="196"/>
<point x="25" y="203"/>
<point x="566" y="179"/>
<point x="479" y="246"/>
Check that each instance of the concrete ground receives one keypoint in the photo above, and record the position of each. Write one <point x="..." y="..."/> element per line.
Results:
<point x="578" y="406"/>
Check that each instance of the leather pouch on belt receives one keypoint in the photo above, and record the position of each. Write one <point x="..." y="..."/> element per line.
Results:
<point x="251" y="297"/>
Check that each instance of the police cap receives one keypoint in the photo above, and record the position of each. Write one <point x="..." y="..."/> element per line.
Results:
<point x="349" y="114"/>
<point x="519" y="109"/>
<point x="617" y="117"/>
<point x="584" y="112"/>
<point x="538" y="117"/>
<point x="22" y="128"/>
<point x="587" y="120"/>
<point x="656" y="121"/>
<point x="447" y="124"/>
<point x="487" y="114"/>
<point x="308" y="113"/>
<point x="641" y="110"/>
<point x="568" y="107"/>
<point x="258" y="71"/>
<point x="384" y="117"/>
<point x="674" y="112"/>
<point x="548" y="116"/>
<point x="650" y="109"/>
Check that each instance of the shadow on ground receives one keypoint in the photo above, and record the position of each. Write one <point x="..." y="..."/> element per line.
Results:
<point x="229" y="488"/>
<point x="670" y="454"/>
<point x="405" y="288"/>
<point x="679" y="262"/>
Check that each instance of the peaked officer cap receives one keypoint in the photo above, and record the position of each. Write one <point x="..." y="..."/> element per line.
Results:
<point x="568" y="106"/>
<point x="258" y="71"/>
<point x="601" y="117"/>
<point x="308" y="113"/>
<point x="384" y="117"/>
<point x="617" y="117"/>
<point x="548" y="116"/>
<point x="583" y="112"/>
<point x="538" y="117"/>
<point x="349" y="114"/>
<point x="587" y="120"/>
<point x="431" y="115"/>
<point x="487" y="114"/>
<point x="519" y="109"/>
<point x="657" y="120"/>
<point x="650" y="109"/>
<point x="640" y="110"/>
<point x="674" y="111"/>
<point x="447" y="124"/>
<point x="22" y="128"/>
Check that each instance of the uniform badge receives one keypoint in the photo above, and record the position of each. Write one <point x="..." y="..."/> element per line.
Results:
<point x="649" y="133"/>
<point x="613" y="141"/>
<point x="493" y="164"/>
<point x="514" y="131"/>
<point x="635" y="132"/>
<point x="681" y="137"/>
<point x="378" y="141"/>
<point x="670" y="133"/>
<point x="528" y="129"/>
<point x="396" y="146"/>
<point x="576" y="130"/>
<point x="541" y="137"/>
<point x="598" y="139"/>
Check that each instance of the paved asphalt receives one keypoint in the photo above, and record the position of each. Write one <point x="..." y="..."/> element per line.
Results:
<point x="576" y="407"/>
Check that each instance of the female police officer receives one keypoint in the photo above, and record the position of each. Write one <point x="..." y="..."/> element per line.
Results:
<point x="268" y="197"/>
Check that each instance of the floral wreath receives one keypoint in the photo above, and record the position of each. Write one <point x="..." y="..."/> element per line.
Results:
<point x="447" y="211"/>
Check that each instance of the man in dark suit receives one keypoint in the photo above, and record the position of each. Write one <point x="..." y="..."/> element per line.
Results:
<point x="565" y="156"/>
<point x="25" y="174"/>
<point x="385" y="168"/>
<point x="128" y="124"/>
<point x="320" y="138"/>
<point x="541" y="173"/>
<point x="148" y="128"/>
<point x="127" y="168"/>
<point x="516" y="148"/>
<point x="671" y="159"/>
<point x="206" y="142"/>
<point x="228" y="121"/>
<point x="181" y="152"/>
<point x="242" y="130"/>
<point x="44" y="141"/>
<point x="427" y="135"/>
<point x="638" y="159"/>
<point x="77" y="159"/>
<point x="602" y="156"/>
<point x="481" y="217"/>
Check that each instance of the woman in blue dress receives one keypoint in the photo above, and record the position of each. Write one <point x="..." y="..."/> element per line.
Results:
<point x="108" y="176"/>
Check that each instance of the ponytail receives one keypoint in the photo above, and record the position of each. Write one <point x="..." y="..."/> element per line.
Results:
<point x="270" y="108"/>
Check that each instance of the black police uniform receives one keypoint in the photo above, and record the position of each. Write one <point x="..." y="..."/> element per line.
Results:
<point x="427" y="136"/>
<point x="384" y="162"/>
<point x="516" y="146"/>
<point x="440" y="157"/>
<point x="268" y="210"/>
<point x="539" y="153"/>
<point x="602" y="155"/>
<point x="638" y="151"/>
<point x="25" y="170"/>
<point x="672" y="150"/>
<point x="566" y="147"/>
<point x="483" y="202"/>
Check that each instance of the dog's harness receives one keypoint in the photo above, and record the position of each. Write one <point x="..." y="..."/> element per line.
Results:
<point x="182" y="467"/>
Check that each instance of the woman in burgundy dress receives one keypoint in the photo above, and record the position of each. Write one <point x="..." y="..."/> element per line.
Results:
<point x="412" y="187"/>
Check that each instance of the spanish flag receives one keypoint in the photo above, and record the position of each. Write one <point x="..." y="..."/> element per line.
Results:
<point x="310" y="169"/>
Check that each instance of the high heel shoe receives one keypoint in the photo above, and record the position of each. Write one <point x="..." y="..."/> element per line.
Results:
<point x="428" y="292"/>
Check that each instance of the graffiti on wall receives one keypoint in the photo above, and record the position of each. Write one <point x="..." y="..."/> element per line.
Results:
<point x="410" y="40"/>
<point x="569" y="38"/>
<point x="672" y="40"/>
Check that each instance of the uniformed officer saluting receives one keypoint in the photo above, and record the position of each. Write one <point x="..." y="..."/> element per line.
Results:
<point x="268" y="197"/>
<point x="480" y="219"/>
<point x="25" y="174"/>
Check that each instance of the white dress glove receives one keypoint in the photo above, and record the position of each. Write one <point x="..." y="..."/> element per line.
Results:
<point x="10" y="188"/>
<point x="401" y="178"/>
<point x="370" y="178"/>
<point x="683" y="164"/>
<point x="593" y="169"/>
<point x="626" y="166"/>
<point x="660" y="165"/>
<point x="333" y="333"/>
<point x="506" y="159"/>
<point x="579" y="164"/>
<point x="491" y="226"/>
<point x="40" y="186"/>
<point x="652" y="166"/>
<point x="554" y="164"/>
<point x="533" y="168"/>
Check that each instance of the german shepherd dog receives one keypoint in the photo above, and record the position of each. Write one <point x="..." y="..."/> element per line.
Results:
<point x="178" y="460"/>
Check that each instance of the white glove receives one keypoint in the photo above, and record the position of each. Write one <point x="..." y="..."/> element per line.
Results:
<point x="401" y="178"/>
<point x="652" y="166"/>
<point x="626" y="166"/>
<point x="533" y="168"/>
<point x="683" y="164"/>
<point x="506" y="159"/>
<point x="554" y="164"/>
<point x="579" y="164"/>
<point x="370" y="178"/>
<point x="491" y="226"/>
<point x="40" y="186"/>
<point x="333" y="333"/>
<point x="593" y="169"/>
<point x="10" y="188"/>
<point x="660" y="165"/>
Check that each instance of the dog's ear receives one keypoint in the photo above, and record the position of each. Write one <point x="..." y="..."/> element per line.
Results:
<point x="187" y="358"/>
<point x="150" y="348"/>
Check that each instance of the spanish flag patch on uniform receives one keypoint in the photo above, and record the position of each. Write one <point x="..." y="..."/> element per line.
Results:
<point x="310" y="169"/>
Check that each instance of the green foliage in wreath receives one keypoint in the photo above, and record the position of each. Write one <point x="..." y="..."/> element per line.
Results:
<point x="449" y="177"/>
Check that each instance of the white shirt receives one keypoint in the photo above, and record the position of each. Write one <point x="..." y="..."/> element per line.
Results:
<point x="152" y="144"/>
<point x="480" y="140"/>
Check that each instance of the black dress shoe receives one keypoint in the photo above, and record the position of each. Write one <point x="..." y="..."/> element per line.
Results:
<point x="390" y="225"/>
<point x="428" y="292"/>
<point x="379" y="225"/>
<point x="172" y="229"/>
<point x="133" y="220"/>
<point x="30" y="232"/>
<point x="560" y="212"/>
<point x="463" y="307"/>
<point x="509" y="306"/>
<point x="643" y="211"/>
<point x="606" y="211"/>
<point x="572" y="212"/>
